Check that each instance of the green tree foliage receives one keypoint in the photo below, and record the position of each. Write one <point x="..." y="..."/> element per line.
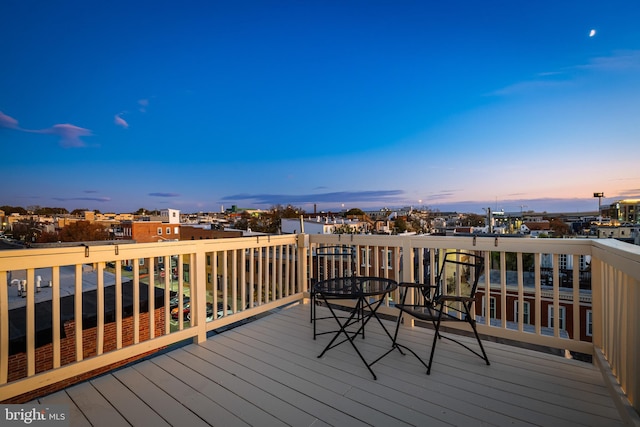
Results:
<point x="8" y="210"/>
<point x="345" y="229"/>
<point x="50" y="211"/>
<point x="511" y="261"/>
<point x="355" y="212"/>
<point x="270" y="221"/>
<point x="143" y="211"/>
<point x="400" y="225"/>
<point x="83" y="231"/>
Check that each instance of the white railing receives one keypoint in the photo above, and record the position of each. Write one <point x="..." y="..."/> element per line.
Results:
<point x="246" y="276"/>
<point x="254" y="275"/>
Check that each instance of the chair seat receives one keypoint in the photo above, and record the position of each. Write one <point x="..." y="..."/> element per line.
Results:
<point x="432" y="313"/>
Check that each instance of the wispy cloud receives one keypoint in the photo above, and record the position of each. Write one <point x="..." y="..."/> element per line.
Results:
<point x="529" y="86"/>
<point x="70" y="135"/>
<point x="619" y="61"/>
<point x="8" y="122"/>
<point x="143" y="103"/>
<point x="119" y="121"/>
<point x="624" y="60"/>
<point x="90" y="199"/>
<point x="164" y="194"/>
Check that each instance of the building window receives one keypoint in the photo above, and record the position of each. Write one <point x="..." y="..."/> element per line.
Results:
<point x="160" y="260"/>
<point x="550" y="319"/>
<point x="140" y="261"/>
<point x="492" y="307"/>
<point x="562" y="260"/>
<point x="176" y="230"/>
<point x="589" y="326"/>
<point x="159" y="231"/>
<point x="525" y="314"/>
<point x="168" y="230"/>
<point x="365" y="254"/>
<point x="387" y="256"/>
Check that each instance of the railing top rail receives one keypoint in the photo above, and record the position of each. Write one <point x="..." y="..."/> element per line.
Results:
<point x="479" y="242"/>
<point x="17" y="259"/>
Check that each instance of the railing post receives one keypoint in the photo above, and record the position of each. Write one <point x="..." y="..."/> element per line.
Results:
<point x="303" y="277"/>
<point x="199" y="293"/>
<point x="407" y="275"/>
<point x="597" y="305"/>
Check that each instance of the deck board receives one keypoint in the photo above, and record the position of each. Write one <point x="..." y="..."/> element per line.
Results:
<point x="62" y="398"/>
<point x="267" y="373"/>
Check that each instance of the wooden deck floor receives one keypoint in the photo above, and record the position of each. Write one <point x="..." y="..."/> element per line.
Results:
<point x="266" y="373"/>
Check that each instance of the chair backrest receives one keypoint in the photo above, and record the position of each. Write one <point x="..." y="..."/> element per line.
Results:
<point x="459" y="274"/>
<point x="335" y="261"/>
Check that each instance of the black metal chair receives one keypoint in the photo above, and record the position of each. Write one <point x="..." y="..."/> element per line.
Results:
<point x="449" y="299"/>
<point x="330" y="261"/>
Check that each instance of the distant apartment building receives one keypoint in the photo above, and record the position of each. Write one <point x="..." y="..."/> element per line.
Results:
<point x="623" y="211"/>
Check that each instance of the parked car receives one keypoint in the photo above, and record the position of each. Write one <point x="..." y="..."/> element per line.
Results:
<point x="186" y="309"/>
<point x="210" y="311"/>
<point x="174" y="301"/>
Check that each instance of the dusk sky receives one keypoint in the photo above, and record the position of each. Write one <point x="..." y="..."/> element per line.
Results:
<point x="199" y="105"/>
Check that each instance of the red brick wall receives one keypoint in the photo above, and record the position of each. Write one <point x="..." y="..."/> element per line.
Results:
<point x="44" y="354"/>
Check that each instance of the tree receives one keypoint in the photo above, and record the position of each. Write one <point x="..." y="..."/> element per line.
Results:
<point x="559" y="227"/>
<point x="400" y="225"/>
<point x="344" y="229"/>
<point x="27" y="231"/>
<point x="270" y="221"/>
<point x="83" y="231"/>
<point x="472" y="220"/>
<point x="355" y="212"/>
<point x="50" y="211"/>
<point x="8" y="210"/>
<point x="48" y="237"/>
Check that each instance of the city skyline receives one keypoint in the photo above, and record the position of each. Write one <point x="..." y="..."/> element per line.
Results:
<point x="198" y="105"/>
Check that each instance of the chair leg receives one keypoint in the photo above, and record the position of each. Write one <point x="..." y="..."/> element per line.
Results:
<point x="436" y="336"/>
<point x="475" y="331"/>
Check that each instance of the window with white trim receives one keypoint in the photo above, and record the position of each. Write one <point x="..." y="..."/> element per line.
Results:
<point x="388" y="258"/>
<point x="492" y="307"/>
<point x="550" y="319"/>
<point x="525" y="312"/>
<point x="365" y="257"/>
<point x="168" y="230"/>
<point x="589" y="325"/>
<point x="159" y="231"/>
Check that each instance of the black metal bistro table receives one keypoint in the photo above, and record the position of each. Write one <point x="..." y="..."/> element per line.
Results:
<point x="369" y="293"/>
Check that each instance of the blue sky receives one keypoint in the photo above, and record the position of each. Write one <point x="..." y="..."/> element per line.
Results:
<point x="195" y="105"/>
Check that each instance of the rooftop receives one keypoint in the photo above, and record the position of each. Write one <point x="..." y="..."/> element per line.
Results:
<point x="266" y="372"/>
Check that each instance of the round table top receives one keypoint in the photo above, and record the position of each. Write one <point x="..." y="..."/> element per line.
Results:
<point x="355" y="286"/>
